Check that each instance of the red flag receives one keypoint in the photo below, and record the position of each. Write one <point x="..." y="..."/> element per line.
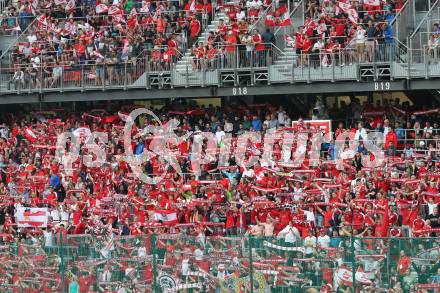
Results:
<point x="113" y="10"/>
<point x="349" y="11"/>
<point x="31" y="217"/>
<point x="70" y="6"/>
<point x="285" y="17"/>
<point x="30" y="134"/>
<point x="270" y="20"/>
<point x="68" y="28"/>
<point x="110" y="119"/>
<point x="42" y="21"/>
<point x="167" y="217"/>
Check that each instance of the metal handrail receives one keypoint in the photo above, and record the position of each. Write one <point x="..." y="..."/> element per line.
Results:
<point x="400" y="12"/>
<point x="301" y="3"/>
<point x="263" y="16"/>
<point x="424" y="19"/>
<point x="17" y="39"/>
<point x="142" y="72"/>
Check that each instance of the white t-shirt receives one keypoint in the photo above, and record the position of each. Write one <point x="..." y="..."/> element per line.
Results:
<point x="142" y="251"/>
<point x="385" y="131"/>
<point x="32" y="38"/>
<point x="310" y="216"/>
<point x="219" y="135"/>
<point x="289" y="233"/>
<point x="317" y="46"/>
<point x="55" y="214"/>
<point x="427" y="129"/>
<point x="240" y="15"/>
<point x="360" y="36"/>
<point x="281" y="117"/>
<point x="362" y="133"/>
<point x="64" y="216"/>
<point x="249" y="173"/>
<point x="185" y="267"/>
<point x="310" y="244"/>
<point x="248" y="41"/>
<point x="48" y="239"/>
<point x="431" y="207"/>
<point x="324" y="241"/>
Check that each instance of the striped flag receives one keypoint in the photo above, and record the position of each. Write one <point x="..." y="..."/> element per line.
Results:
<point x="349" y="11"/>
<point x="285" y="17"/>
<point x="113" y="10"/>
<point x="70" y="6"/>
<point x="30" y="134"/>
<point x="167" y="217"/>
<point x="31" y="217"/>
<point x="101" y="8"/>
<point x="42" y="21"/>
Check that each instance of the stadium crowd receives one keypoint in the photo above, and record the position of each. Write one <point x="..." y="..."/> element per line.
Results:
<point x="68" y="33"/>
<point x="341" y="31"/>
<point x="115" y="44"/>
<point x="312" y="209"/>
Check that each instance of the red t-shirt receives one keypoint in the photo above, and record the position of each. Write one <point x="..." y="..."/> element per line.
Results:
<point x="195" y="28"/>
<point x="259" y="46"/>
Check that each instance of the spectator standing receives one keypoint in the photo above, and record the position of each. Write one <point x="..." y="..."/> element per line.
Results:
<point x="360" y="43"/>
<point x="389" y="41"/>
<point x="370" y="42"/>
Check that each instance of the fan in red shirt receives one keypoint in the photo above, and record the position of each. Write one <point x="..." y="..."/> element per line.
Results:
<point x="231" y="42"/>
<point x="194" y="28"/>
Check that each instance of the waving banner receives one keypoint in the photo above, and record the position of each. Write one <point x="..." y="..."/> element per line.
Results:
<point x="31" y="217"/>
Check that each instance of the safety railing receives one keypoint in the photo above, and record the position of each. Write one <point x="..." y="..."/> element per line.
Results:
<point x="419" y="63"/>
<point x="161" y="70"/>
<point x="404" y="22"/>
<point x="22" y="37"/>
<point x="171" y="262"/>
<point x="261" y="18"/>
<point x="34" y="25"/>
<point x="296" y="13"/>
<point x="417" y="40"/>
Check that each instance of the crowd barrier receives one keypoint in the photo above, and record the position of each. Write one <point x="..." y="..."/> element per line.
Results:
<point x="176" y="262"/>
<point x="164" y="71"/>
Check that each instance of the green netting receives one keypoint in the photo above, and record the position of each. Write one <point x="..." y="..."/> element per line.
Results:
<point x="176" y="262"/>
